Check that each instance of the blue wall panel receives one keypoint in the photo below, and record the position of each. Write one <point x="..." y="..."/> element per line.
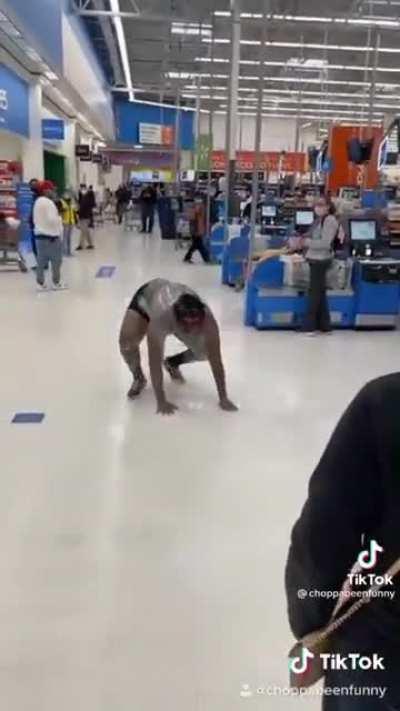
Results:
<point x="40" y="22"/>
<point x="129" y="115"/>
<point x="14" y="102"/>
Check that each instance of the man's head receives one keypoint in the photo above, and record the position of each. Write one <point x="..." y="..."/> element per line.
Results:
<point x="46" y="188"/>
<point x="190" y="312"/>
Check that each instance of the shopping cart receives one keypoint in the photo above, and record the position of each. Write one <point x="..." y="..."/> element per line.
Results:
<point x="132" y="217"/>
<point x="183" y="234"/>
<point x="110" y="213"/>
<point x="10" y="253"/>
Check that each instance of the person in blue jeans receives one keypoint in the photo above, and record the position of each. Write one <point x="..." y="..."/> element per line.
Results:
<point x="353" y="506"/>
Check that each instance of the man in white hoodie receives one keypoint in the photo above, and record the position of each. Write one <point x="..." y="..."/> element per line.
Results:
<point x="47" y="228"/>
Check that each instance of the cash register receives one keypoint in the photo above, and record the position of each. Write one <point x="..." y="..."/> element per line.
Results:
<point x="304" y="219"/>
<point x="376" y="277"/>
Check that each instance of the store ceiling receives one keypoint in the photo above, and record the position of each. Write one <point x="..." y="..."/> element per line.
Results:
<point x="324" y="58"/>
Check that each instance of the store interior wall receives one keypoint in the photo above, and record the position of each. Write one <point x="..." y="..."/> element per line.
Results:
<point x="11" y="146"/>
<point x="277" y="134"/>
<point x="83" y="71"/>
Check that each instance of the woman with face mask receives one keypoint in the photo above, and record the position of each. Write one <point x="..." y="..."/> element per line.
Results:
<point x="319" y="256"/>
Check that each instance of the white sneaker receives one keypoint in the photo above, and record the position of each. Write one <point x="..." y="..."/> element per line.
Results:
<point x="41" y="287"/>
<point x="61" y="286"/>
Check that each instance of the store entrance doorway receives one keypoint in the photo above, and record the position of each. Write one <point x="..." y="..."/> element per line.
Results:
<point x="54" y="170"/>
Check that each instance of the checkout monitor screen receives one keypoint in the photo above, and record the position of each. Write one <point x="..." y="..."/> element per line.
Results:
<point x="304" y="218"/>
<point x="363" y="230"/>
<point x="269" y="211"/>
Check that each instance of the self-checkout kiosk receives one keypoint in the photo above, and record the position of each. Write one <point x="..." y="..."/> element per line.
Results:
<point x="363" y="286"/>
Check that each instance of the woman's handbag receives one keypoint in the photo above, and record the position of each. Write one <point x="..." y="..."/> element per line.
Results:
<point x="305" y="662"/>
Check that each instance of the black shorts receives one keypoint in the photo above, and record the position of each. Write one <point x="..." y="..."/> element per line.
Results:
<point x="135" y="306"/>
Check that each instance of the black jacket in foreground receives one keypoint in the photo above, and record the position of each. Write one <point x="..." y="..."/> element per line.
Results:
<point x="354" y="497"/>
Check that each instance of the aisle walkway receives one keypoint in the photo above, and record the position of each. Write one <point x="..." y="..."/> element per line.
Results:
<point x="142" y="558"/>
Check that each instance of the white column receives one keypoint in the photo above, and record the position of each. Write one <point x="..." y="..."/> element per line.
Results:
<point x="72" y="178"/>
<point x="32" y="153"/>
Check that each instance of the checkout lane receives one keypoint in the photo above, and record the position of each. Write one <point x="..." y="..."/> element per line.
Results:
<point x="363" y="281"/>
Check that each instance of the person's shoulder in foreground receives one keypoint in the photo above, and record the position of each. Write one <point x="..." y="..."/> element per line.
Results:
<point x="354" y="492"/>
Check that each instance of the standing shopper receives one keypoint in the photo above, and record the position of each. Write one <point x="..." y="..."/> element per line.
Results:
<point x="123" y="195"/>
<point x="353" y="503"/>
<point x="319" y="256"/>
<point x="92" y="199"/>
<point x="198" y="224"/>
<point x="48" y="229"/>
<point x="34" y="186"/>
<point x="85" y="218"/>
<point x="148" y="200"/>
<point x="70" y="219"/>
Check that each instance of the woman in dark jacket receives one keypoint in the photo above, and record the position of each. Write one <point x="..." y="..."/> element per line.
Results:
<point x="353" y="501"/>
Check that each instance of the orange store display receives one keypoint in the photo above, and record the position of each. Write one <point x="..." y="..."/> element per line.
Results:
<point x="343" y="172"/>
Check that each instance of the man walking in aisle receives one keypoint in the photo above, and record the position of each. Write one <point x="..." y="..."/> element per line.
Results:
<point x="48" y="229"/>
<point x="148" y="200"/>
<point x="85" y="218"/>
<point x="198" y="227"/>
<point x="161" y="308"/>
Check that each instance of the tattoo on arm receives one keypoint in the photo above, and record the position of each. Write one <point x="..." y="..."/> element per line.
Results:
<point x="213" y="346"/>
<point x="156" y="350"/>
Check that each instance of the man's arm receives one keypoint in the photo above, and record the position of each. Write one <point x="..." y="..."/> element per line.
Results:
<point x="213" y="346"/>
<point x="341" y="507"/>
<point x="155" y="342"/>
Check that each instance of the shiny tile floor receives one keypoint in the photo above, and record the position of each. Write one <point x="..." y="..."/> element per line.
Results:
<point x="142" y="558"/>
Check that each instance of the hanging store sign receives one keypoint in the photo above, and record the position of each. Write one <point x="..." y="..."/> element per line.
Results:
<point x="97" y="158"/>
<point x="83" y="152"/>
<point x="14" y="102"/>
<point x="269" y="161"/>
<point x="155" y="134"/>
<point x="204" y="148"/>
<point x="53" y="129"/>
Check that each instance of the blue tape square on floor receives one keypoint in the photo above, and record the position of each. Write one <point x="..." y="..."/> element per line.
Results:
<point x="105" y="272"/>
<point x="26" y="418"/>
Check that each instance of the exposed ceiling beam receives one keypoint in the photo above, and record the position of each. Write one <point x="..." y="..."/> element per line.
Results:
<point x="110" y="42"/>
<point x="139" y="16"/>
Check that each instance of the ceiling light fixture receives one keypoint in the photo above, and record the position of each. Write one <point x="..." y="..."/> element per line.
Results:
<point x="119" y="29"/>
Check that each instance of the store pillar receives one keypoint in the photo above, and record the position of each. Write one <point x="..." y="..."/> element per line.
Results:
<point x="71" y="177"/>
<point x="32" y="154"/>
<point x="232" y="115"/>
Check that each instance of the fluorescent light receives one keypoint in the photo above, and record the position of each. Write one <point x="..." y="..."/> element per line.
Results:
<point x="119" y="29"/>
<point x="190" y="28"/>
<point x="306" y="45"/>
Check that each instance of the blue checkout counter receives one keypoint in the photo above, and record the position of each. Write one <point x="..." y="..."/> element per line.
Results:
<point x="372" y="301"/>
<point x="235" y="252"/>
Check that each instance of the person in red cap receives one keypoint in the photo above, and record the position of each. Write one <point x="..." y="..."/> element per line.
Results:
<point x="48" y="229"/>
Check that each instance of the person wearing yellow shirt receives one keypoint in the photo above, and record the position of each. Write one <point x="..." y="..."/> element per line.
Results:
<point x="69" y="215"/>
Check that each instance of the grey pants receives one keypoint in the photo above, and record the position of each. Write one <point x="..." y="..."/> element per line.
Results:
<point x="85" y="233"/>
<point x="67" y="239"/>
<point x="48" y="250"/>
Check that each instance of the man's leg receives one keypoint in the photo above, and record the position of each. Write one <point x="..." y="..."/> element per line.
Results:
<point x="41" y="259"/>
<point x="55" y="248"/>
<point x="133" y="330"/>
<point x="67" y="240"/>
<point x="89" y="236"/>
<point x="203" y="250"/>
<point x="82" y="236"/>
<point x="173" y="363"/>
<point x="144" y="219"/>
<point x="151" y="219"/>
<point x="191" y="251"/>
